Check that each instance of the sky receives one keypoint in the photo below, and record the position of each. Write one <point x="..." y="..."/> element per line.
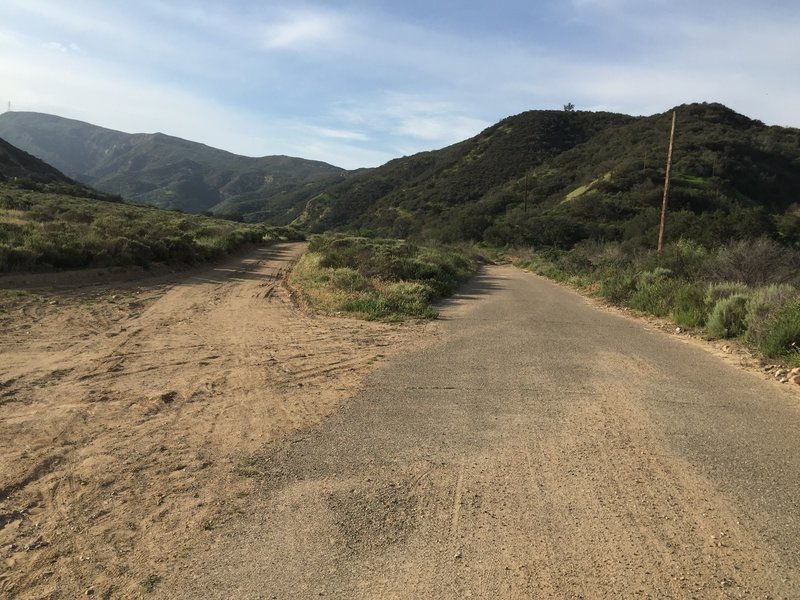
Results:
<point x="356" y="83"/>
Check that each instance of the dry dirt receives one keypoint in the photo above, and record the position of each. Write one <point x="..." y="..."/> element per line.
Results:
<point x="129" y="412"/>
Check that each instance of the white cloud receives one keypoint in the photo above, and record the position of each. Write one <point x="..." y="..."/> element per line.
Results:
<point x="339" y="134"/>
<point x="305" y="30"/>
<point x="63" y="48"/>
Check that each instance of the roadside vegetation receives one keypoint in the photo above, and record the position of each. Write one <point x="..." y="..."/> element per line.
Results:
<point x="747" y="290"/>
<point x="43" y="230"/>
<point x="379" y="279"/>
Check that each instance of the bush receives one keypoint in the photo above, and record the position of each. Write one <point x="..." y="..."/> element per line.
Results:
<point x="720" y="291"/>
<point x="727" y="318"/>
<point x="618" y="285"/>
<point x="782" y="336"/>
<point x="690" y="308"/>
<point x="51" y="231"/>
<point x="377" y="278"/>
<point x="755" y="262"/>
<point x="655" y="292"/>
<point x="763" y="305"/>
<point x="349" y="280"/>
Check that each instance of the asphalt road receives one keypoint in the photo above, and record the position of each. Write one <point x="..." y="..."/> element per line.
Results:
<point x="535" y="447"/>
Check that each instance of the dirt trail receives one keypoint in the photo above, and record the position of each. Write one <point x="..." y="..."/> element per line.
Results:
<point x="129" y="415"/>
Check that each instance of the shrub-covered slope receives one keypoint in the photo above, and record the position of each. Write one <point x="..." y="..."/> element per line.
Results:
<point x="48" y="222"/>
<point x="166" y="171"/>
<point x="418" y="193"/>
<point x="553" y="178"/>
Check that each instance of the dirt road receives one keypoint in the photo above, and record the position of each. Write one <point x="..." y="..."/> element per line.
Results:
<point x="540" y="448"/>
<point x="528" y="445"/>
<point x="129" y="414"/>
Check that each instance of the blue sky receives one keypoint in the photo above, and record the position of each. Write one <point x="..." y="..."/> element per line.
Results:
<point x="356" y="83"/>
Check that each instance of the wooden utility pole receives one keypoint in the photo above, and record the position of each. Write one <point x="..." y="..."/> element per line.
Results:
<point x="666" y="187"/>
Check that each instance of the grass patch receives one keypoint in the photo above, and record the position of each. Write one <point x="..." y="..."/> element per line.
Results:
<point x="379" y="279"/>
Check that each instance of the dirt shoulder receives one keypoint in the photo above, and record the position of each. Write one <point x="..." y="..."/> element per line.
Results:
<point x="129" y="413"/>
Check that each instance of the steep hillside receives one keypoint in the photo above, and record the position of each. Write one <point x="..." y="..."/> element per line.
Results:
<point x="17" y="165"/>
<point x="559" y="177"/>
<point x="417" y="193"/>
<point x="166" y="171"/>
<point x="732" y="178"/>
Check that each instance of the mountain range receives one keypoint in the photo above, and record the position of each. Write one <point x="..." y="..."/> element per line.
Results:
<point x="166" y="171"/>
<point x="542" y="178"/>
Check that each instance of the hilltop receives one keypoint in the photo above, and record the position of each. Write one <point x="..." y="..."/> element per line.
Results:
<point x="166" y="171"/>
<point x="554" y="178"/>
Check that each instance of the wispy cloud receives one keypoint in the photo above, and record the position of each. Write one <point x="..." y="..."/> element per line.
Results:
<point x="305" y="30"/>
<point x="63" y="48"/>
<point x="338" y="134"/>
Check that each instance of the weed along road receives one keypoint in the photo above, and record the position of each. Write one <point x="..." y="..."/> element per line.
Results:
<point x="535" y="447"/>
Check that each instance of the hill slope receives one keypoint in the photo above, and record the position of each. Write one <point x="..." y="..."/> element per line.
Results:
<point x="16" y="164"/>
<point x="419" y="192"/>
<point x="557" y="177"/>
<point x="165" y="171"/>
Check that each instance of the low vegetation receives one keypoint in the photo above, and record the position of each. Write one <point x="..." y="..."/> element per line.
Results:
<point x="747" y="290"/>
<point x="45" y="230"/>
<point x="379" y="279"/>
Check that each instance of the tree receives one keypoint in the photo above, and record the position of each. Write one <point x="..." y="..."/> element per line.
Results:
<point x="569" y="107"/>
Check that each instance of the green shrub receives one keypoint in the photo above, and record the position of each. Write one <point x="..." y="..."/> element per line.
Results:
<point x="763" y="305"/>
<point x="727" y="318"/>
<point x="689" y="307"/>
<point x="654" y="292"/>
<point x="782" y="335"/>
<point x="756" y="262"/>
<point x="618" y="285"/>
<point x="378" y="278"/>
<point x="725" y="289"/>
<point x="349" y="280"/>
<point x="685" y="258"/>
<point x="49" y="231"/>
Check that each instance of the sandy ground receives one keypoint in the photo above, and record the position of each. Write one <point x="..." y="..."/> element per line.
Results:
<point x="129" y="413"/>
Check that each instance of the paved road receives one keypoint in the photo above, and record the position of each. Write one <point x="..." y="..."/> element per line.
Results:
<point x="537" y="447"/>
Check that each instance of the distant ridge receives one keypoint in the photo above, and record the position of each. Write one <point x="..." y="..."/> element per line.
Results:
<point x="166" y="171"/>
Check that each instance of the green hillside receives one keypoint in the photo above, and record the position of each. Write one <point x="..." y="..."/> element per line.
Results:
<point x="165" y="171"/>
<point x="48" y="222"/>
<point x="416" y="194"/>
<point x="553" y="178"/>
